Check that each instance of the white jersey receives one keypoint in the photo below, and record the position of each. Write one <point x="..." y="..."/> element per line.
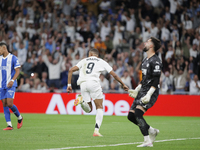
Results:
<point x="91" y="68"/>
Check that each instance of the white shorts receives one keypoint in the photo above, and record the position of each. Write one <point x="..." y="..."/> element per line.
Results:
<point x="91" y="90"/>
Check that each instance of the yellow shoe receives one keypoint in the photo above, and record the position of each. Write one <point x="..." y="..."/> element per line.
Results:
<point x="79" y="100"/>
<point x="96" y="133"/>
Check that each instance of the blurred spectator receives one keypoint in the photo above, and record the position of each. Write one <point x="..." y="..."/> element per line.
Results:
<point x="43" y="87"/>
<point x="173" y="7"/>
<point x="196" y="20"/>
<point x="186" y="45"/>
<point x="45" y="78"/>
<point x="105" y="30"/>
<point x="50" y="45"/>
<point x="187" y="23"/>
<point x="178" y="52"/>
<point x="28" y="86"/>
<point x="154" y="30"/>
<point x="100" y="45"/>
<point x="114" y="86"/>
<point x="195" y="86"/>
<point x="124" y="46"/>
<point x="193" y="51"/>
<point x="169" y="53"/>
<point x="165" y="33"/>
<point x="54" y="68"/>
<point x="30" y="30"/>
<point x="166" y="14"/>
<point x="109" y="44"/>
<point x="130" y="26"/>
<point x="121" y="68"/>
<point x="166" y="83"/>
<point x="37" y="86"/>
<point x="104" y="5"/>
<point x="70" y="30"/>
<point x="92" y="6"/>
<point x="67" y="8"/>
<point x="21" y="53"/>
<point x="20" y="30"/>
<point x="27" y="67"/>
<point x="40" y="67"/>
<point x="118" y="34"/>
<point x="126" y="80"/>
<point x="109" y="59"/>
<point x="180" y="79"/>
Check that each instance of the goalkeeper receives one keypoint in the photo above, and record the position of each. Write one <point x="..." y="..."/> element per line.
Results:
<point x="146" y="93"/>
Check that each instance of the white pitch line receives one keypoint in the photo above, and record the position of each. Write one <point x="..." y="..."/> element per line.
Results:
<point x="76" y="147"/>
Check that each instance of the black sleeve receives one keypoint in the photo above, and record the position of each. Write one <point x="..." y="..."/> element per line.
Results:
<point x="156" y="67"/>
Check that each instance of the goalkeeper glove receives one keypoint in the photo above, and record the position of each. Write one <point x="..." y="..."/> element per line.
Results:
<point x="147" y="97"/>
<point x="134" y="93"/>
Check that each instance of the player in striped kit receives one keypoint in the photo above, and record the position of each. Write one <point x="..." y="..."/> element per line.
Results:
<point x="9" y="71"/>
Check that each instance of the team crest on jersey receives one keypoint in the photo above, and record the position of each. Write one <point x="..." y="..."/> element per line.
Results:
<point x="10" y="92"/>
<point x="17" y="63"/>
<point x="8" y="62"/>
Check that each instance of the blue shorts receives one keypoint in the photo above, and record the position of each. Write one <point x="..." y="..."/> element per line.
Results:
<point x="7" y="93"/>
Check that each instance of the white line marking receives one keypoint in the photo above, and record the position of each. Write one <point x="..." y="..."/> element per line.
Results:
<point x="76" y="147"/>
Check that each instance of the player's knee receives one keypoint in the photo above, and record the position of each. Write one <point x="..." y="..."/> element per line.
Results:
<point x="131" y="117"/>
<point x="99" y="106"/>
<point x="9" y="104"/>
<point x="139" y="113"/>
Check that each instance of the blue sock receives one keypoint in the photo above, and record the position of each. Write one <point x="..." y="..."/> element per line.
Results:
<point x="15" y="110"/>
<point x="6" y="113"/>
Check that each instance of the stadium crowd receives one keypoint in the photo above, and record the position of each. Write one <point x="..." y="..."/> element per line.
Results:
<point x="50" y="36"/>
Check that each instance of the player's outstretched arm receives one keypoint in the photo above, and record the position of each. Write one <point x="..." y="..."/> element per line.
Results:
<point x="147" y="97"/>
<point x="119" y="80"/>
<point x="73" y="69"/>
<point x="134" y="93"/>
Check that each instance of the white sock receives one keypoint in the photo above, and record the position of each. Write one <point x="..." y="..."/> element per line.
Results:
<point x="19" y="118"/>
<point x="147" y="139"/>
<point x="151" y="130"/>
<point x="9" y="123"/>
<point x="99" y="118"/>
<point x="85" y="107"/>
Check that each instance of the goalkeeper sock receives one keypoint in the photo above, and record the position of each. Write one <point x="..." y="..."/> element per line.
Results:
<point x="141" y="122"/>
<point x="99" y="119"/>
<point x="85" y="106"/>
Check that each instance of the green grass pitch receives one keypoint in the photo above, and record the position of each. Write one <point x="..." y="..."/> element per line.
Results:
<point x="58" y="132"/>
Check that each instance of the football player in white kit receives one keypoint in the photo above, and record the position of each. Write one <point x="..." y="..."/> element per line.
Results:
<point x="90" y="70"/>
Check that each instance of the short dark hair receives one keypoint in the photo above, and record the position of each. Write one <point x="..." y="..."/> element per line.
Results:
<point x="95" y="51"/>
<point x="156" y="42"/>
<point x="4" y="44"/>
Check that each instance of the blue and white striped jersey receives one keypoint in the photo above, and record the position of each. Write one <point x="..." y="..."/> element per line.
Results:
<point x="7" y="70"/>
